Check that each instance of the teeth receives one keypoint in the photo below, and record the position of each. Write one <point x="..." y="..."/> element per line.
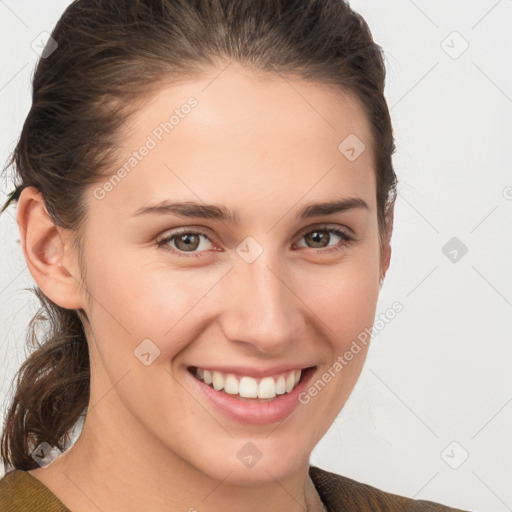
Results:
<point x="267" y="388"/>
<point x="231" y="385"/>
<point x="247" y="387"/>
<point x="217" y="381"/>
<point x="290" y="382"/>
<point x="281" y="385"/>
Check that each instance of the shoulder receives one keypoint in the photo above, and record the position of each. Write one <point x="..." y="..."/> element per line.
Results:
<point x="341" y="493"/>
<point x="22" y="492"/>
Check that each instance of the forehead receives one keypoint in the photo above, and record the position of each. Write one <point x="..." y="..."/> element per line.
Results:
<point x="233" y="135"/>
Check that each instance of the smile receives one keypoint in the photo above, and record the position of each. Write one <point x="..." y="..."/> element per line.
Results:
<point x="260" y="398"/>
<point x="249" y="387"/>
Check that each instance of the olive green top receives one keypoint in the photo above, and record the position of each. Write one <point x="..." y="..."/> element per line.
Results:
<point x="22" y="492"/>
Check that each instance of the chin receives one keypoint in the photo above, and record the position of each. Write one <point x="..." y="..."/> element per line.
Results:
<point x="259" y="462"/>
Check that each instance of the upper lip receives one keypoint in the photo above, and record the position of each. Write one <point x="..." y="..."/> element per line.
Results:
<point x="256" y="373"/>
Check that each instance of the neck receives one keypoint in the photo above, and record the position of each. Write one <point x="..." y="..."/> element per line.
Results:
<point x="111" y="472"/>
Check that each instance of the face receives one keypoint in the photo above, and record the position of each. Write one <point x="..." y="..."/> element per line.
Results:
<point x="272" y="286"/>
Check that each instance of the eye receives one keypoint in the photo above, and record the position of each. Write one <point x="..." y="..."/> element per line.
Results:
<point x="184" y="242"/>
<point x="321" y="236"/>
<point x="193" y="242"/>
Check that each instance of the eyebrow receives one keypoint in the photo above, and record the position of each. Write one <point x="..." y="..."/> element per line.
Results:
<point x="211" y="211"/>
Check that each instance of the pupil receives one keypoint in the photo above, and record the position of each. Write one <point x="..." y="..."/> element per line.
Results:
<point x="188" y="240"/>
<point x="318" y="237"/>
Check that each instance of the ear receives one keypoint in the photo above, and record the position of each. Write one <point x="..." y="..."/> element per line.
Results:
<point x="48" y="251"/>
<point x="386" y="249"/>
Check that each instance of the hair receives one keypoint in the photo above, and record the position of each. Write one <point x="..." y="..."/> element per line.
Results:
<point x="111" y="56"/>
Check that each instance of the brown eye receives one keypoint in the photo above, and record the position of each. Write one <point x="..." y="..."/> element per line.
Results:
<point x="187" y="242"/>
<point x="184" y="242"/>
<point x="321" y="237"/>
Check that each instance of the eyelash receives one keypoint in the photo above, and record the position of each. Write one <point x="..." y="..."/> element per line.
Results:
<point x="346" y="239"/>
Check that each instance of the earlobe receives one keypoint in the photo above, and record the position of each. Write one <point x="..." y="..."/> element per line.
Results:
<point x="45" y="251"/>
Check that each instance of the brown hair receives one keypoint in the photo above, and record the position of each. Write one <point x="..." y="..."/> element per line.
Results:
<point x="111" y="56"/>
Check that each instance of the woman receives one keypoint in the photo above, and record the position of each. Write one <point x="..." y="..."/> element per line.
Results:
<point x="205" y="201"/>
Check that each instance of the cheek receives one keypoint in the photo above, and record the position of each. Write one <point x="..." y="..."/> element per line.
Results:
<point x="138" y="299"/>
<point x="145" y="300"/>
<point x="125" y="281"/>
<point x="344" y="298"/>
<point x="346" y="306"/>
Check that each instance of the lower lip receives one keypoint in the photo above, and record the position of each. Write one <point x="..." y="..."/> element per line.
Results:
<point x="254" y="413"/>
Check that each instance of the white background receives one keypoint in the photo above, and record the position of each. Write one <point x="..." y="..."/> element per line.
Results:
<point x="441" y="370"/>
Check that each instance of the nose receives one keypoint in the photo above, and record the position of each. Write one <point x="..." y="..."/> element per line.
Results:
<point x="262" y="309"/>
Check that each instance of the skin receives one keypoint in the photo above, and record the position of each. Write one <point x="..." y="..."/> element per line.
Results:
<point x="265" y="147"/>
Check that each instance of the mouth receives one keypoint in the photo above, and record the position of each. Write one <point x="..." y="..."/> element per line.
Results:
<point x="250" y="389"/>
